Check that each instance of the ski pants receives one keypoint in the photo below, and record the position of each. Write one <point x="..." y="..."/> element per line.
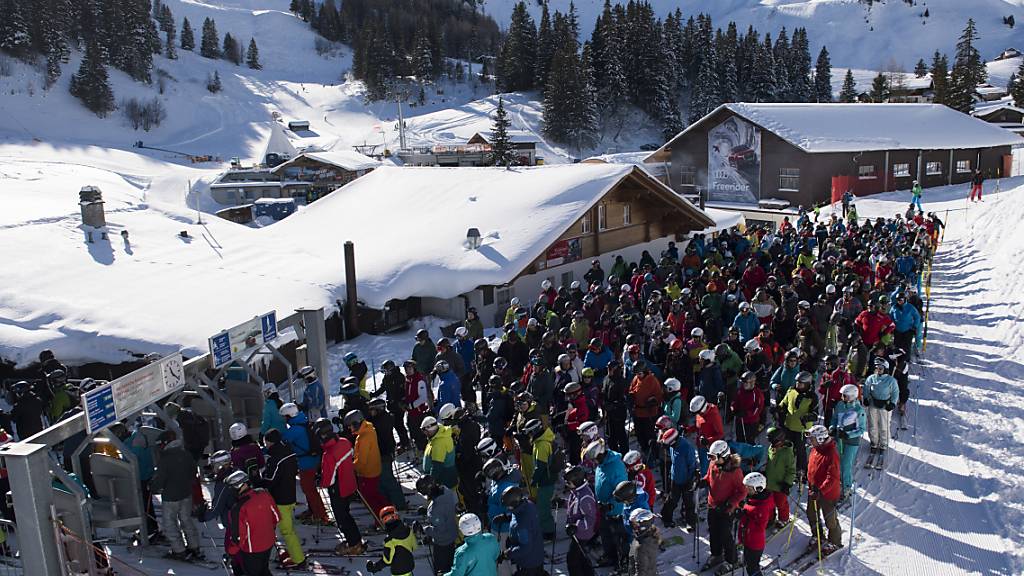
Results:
<point x="878" y="427"/>
<point x="613" y="539"/>
<point x="369" y="489"/>
<point x="618" y="438"/>
<point x="286" y="527"/>
<point x="399" y="417"/>
<point x="307" y="481"/>
<point x="917" y="202"/>
<point x="976" y="188"/>
<point x="545" y="493"/>
<point x="752" y="561"/>
<point x="444" y="557"/>
<point x="800" y="448"/>
<point x="828" y="511"/>
<point x="720" y="534"/>
<point x="342" y="516"/>
<point x="257" y="563"/>
<point x="413" y="421"/>
<point x="179" y="526"/>
<point x="389" y="486"/>
<point x="847" y="461"/>
<point x="644" y="428"/>
<point x="781" y="500"/>
<point x="677" y="492"/>
<point x="576" y="560"/>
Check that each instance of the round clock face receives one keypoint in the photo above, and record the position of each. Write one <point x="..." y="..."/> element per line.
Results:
<point x="175" y="372"/>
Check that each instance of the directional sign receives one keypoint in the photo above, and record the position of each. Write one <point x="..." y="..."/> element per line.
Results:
<point x="233" y="343"/>
<point x="132" y="392"/>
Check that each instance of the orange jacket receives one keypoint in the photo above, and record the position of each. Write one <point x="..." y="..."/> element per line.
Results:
<point x="367" y="456"/>
<point x="643" y="390"/>
<point x="725" y="485"/>
<point x="823" y="471"/>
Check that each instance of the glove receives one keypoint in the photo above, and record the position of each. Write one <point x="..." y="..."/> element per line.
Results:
<point x="812" y="492"/>
<point x="570" y="530"/>
<point x="374" y="566"/>
<point x="200" y="511"/>
<point x="427" y="540"/>
<point x="889" y="406"/>
<point x="500" y="519"/>
<point x="784" y="488"/>
<point x="703" y="441"/>
<point x="422" y="510"/>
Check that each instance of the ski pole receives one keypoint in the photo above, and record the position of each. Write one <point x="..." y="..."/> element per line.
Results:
<point x="224" y="557"/>
<point x="817" y="524"/>
<point x="554" y="515"/>
<point x="853" y="515"/>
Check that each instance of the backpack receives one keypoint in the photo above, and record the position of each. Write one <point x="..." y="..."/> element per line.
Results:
<point x="315" y="449"/>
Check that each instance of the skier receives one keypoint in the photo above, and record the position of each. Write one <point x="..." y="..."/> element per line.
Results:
<point x="501" y="478"/>
<point x="780" y="474"/>
<point x="915" y="192"/>
<point x="439" y="455"/>
<point x="399" y="544"/>
<point x="337" y="475"/>
<point x="478" y="555"/>
<point x="366" y="462"/>
<point x="224" y="497"/>
<point x="577" y="414"/>
<point x="27" y="413"/>
<point x="684" y="475"/>
<point x="419" y="402"/>
<point x="174" y="476"/>
<point x="640" y="474"/>
<point x="881" y="392"/>
<point x="647" y="396"/>
<point x="724" y="481"/>
<point x="272" y="418"/>
<point x="708" y="427"/>
<point x="251" y="525"/>
<point x="449" y="390"/>
<point x="314" y="403"/>
<point x="423" y="352"/>
<point x="747" y="408"/>
<point x="440" y="527"/>
<point x="976" y="182"/>
<point x="847" y="426"/>
<point x="632" y="498"/>
<point x="279" y="480"/>
<point x="645" y="546"/>
<point x="545" y="473"/>
<point x="246" y="454"/>
<point x="580" y="521"/>
<point x="610" y="471"/>
<point x="823" y="489"/>
<point x="615" y="407"/>
<point x="525" y="546"/>
<point x="393" y="387"/>
<point x="754" y="521"/>
<point x="383" y="422"/>
<point x="798" y="411"/>
<point x="304" y="442"/>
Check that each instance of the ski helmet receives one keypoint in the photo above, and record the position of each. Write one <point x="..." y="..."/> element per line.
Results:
<point x="672" y="385"/>
<point x="588" y="430"/>
<point x="237" y="431"/>
<point x="849" y="392"/>
<point x="698" y="404"/>
<point x="533" y="428"/>
<point x="494" y="469"/>
<point x="818" y="433"/>
<point x="668" y="437"/>
<point x="353" y="418"/>
<point x="289" y="410"/>
<point x="429" y="426"/>
<point x="447" y="412"/>
<point x="804" y="377"/>
<point x="631" y="458"/>
<point x="882" y="363"/>
<point x="697" y="332"/>
<point x="625" y="491"/>
<point x="237" y="479"/>
<point x="572" y="388"/>
<point x="441" y="366"/>
<point x="719" y="449"/>
<point x="664" y="423"/>
<point x="487" y="447"/>
<point x="512" y="497"/>
<point x="755" y="480"/>
<point x="470" y="525"/>
<point x="707" y="355"/>
<point x="595" y="451"/>
<point x="752" y="346"/>
<point x="575" y="476"/>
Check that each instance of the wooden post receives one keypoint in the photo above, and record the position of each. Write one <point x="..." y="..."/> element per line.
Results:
<point x="351" y="316"/>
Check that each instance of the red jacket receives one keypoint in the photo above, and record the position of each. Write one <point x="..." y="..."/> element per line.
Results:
<point x="750" y="403"/>
<point x="772" y="351"/>
<point x="578" y="413"/>
<point x="831" y="384"/>
<point x="753" y="278"/>
<point x="645" y="479"/>
<point x="709" y="426"/>
<point x="252" y="523"/>
<point x="882" y="272"/>
<point x="417" y="406"/>
<point x="823" y="471"/>
<point x="725" y="487"/>
<point x="873" y="325"/>
<point x="754" y="521"/>
<point x="337" y="464"/>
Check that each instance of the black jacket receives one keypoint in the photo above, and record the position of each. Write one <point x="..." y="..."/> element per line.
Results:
<point x="279" y="473"/>
<point x="384" y="424"/>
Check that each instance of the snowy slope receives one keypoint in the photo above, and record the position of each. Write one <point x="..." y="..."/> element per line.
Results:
<point x="856" y="35"/>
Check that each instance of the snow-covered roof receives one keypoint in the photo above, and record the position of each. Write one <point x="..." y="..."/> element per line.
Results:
<point x="514" y="136"/>
<point x="989" y="110"/>
<point x="820" y="128"/>
<point x="278" y="142"/>
<point x="989" y="89"/>
<point x="724" y="219"/>
<point x="346" y="159"/>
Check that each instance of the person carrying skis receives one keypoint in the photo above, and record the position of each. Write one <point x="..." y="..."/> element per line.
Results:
<point x="646" y="544"/>
<point x="823" y="489"/>
<point x="338" y="476"/>
<point x="780" y="473"/>
<point x="580" y="521"/>
<point x="399" y="544"/>
<point x="684" y="475"/>
<point x="609" y="472"/>
<point x="524" y="545"/>
<point x="757" y="510"/>
<point x="251" y="525"/>
<point x="304" y="443"/>
<point x="478" y="555"/>
<point x="847" y="426"/>
<point x="279" y="480"/>
<point x="440" y="528"/>
<point x="881" y="392"/>
<point x="724" y="481"/>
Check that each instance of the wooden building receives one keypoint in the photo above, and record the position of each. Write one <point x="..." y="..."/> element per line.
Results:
<point x="323" y="172"/>
<point x="1006" y="116"/>
<point x="802" y="154"/>
<point x="524" y="143"/>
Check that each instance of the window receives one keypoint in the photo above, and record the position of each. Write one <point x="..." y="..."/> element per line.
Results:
<point x="503" y="296"/>
<point x="963" y="166"/>
<point x="627" y="215"/>
<point x="901" y="170"/>
<point x="933" y="168"/>
<point x="585" y="223"/>
<point x="866" y="172"/>
<point x="567" y="278"/>
<point x="789" y="179"/>
<point x="687" y="175"/>
<point x="488" y="295"/>
<point x="602" y="217"/>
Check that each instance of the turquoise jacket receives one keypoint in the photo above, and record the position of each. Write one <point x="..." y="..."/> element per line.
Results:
<point x="849" y="421"/>
<point x="272" y="419"/>
<point x="478" y="556"/>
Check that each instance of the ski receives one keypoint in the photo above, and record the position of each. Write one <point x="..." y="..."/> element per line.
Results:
<point x="871" y="459"/>
<point x="880" y="461"/>
<point x="782" y="569"/>
<point x="316" y="568"/>
<point x="810" y="563"/>
<point x="208" y="564"/>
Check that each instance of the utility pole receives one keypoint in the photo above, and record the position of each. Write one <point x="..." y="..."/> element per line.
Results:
<point x="401" y="125"/>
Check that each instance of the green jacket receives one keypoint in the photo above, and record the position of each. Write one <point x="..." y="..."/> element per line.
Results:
<point x="781" y="467"/>
<point x="800" y="410"/>
<point x="439" y="457"/>
<point x="916" y="190"/>
<point x="732" y="366"/>
<point x="542" y="448"/>
<point x="713" y="302"/>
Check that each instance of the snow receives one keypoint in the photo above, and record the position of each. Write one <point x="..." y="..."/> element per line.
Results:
<point x="724" y="219"/>
<point x="347" y="159"/>
<point x="862" y="127"/>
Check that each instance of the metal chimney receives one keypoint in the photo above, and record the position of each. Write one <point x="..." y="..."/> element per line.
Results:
<point x="473" y="238"/>
<point x="90" y="199"/>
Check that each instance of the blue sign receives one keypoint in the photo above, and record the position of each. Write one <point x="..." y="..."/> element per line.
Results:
<point x="100" y="411"/>
<point x="220" y="348"/>
<point x="269" y="325"/>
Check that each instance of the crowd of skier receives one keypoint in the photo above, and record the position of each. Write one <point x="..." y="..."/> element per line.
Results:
<point x="737" y="376"/>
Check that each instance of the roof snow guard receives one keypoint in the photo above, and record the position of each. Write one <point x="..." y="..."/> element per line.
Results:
<point x="822" y="128"/>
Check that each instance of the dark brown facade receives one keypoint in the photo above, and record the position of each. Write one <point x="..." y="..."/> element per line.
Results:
<point x="803" y="178"/>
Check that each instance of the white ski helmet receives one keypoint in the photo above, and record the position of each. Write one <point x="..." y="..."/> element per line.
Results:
<point x="269" y="388"/>
<point x="625" y="289"/>
<point x="545" y="284"/>
<point x="849" y="392"/>
<point x="487" y="447"/>
<point x="594" y="450"/>
<point x="514" y="301"/>
<point x="744" y="306"/>
<point x="640" y="516"/>
<point x="469" y="525"/>
<point x="752" y="345"/>
<point x="429" y="426"/>
<point x="818" y="433"/>
<point x="588" y="431"/>
<point x="446" y="412"/>
<point x="289" y="410"/>
<point x="755" y="480"/>
<point x="237" y="431"/>
<point x="574" y="285"/>
<point x="698" y="404"/>
<point x="673" y="385"/>
<point x="697" y="332"/>
<point x="631" y="458"/>
<point x="707" y="355"/>
<point x="719" y="448"/>
<point x="461" y="331"/>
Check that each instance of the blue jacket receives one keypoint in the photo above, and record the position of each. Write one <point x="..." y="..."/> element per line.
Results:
<point x="747" y="325"/>
<point x="313" y="399"/>
<point x="525" y="543"/>
<point x="757" y="453"/>
<point x="639" y="501"/>
<point x="478" y="556"/>
<point x="598" y="361"/>
<point x="449" y="391"/>
<point x="607" y="476"/>
<point x="784" y="378"/>
<point x="139" y="444"/>
<point x="494" y="506"/>
<point x="710" y="382"/>
<point x="684" y="461"/>
<point x="464" y="348"/>
<point x="849" y="418"/>
<point x="298" y="440"/>
<point x="906" y="317"/>
<point x="905" y="266"/>
<point x="272" y="419"/>
<point x="224" y="498"/>
<point x="882" y="387"/>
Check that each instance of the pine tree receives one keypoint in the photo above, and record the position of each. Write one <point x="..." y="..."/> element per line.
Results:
<point x="545" y="48"/>
<point x="570" y="115"/>
<point x="502" y="152"/>
<point x="252" y="56"/>
<point x="780" y="53"/>
<point x="705" y="97"/>
<point x="422" y="60"/>
<point x="518" y="57"/>
<point x="725" y="49"/>
<point x="188" y="39"/>
<point x="14" y="29"/>
<point x="91" y="84"/>
<point x="169" y="49"/>
<point x="209" y="46"/>
<point x="940" y="78"/>
<point x="823" y="77"/>
<point x="231" y="51"/>
<point x="968" y="71"/>
<point x="880" y="88"/>
<point x="848" y="94"/>
<point x="920" y="69"/>
<point x="762" y="86"/>
<point x="799" y="68"/>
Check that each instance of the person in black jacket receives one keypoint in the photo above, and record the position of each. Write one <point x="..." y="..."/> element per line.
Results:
<point x="615" y="389"/>
<point x="27" y="413"/>
<point x="279" y="479"/>
<point x="468" y="462"/>
<point x="384" y="423"/>
<point x="393" y="386"/>
<point x="174" y="476"/>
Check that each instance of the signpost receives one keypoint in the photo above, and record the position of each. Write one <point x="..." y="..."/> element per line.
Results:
<point x="132" y="392"/>
<point x="232" y="343"/>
